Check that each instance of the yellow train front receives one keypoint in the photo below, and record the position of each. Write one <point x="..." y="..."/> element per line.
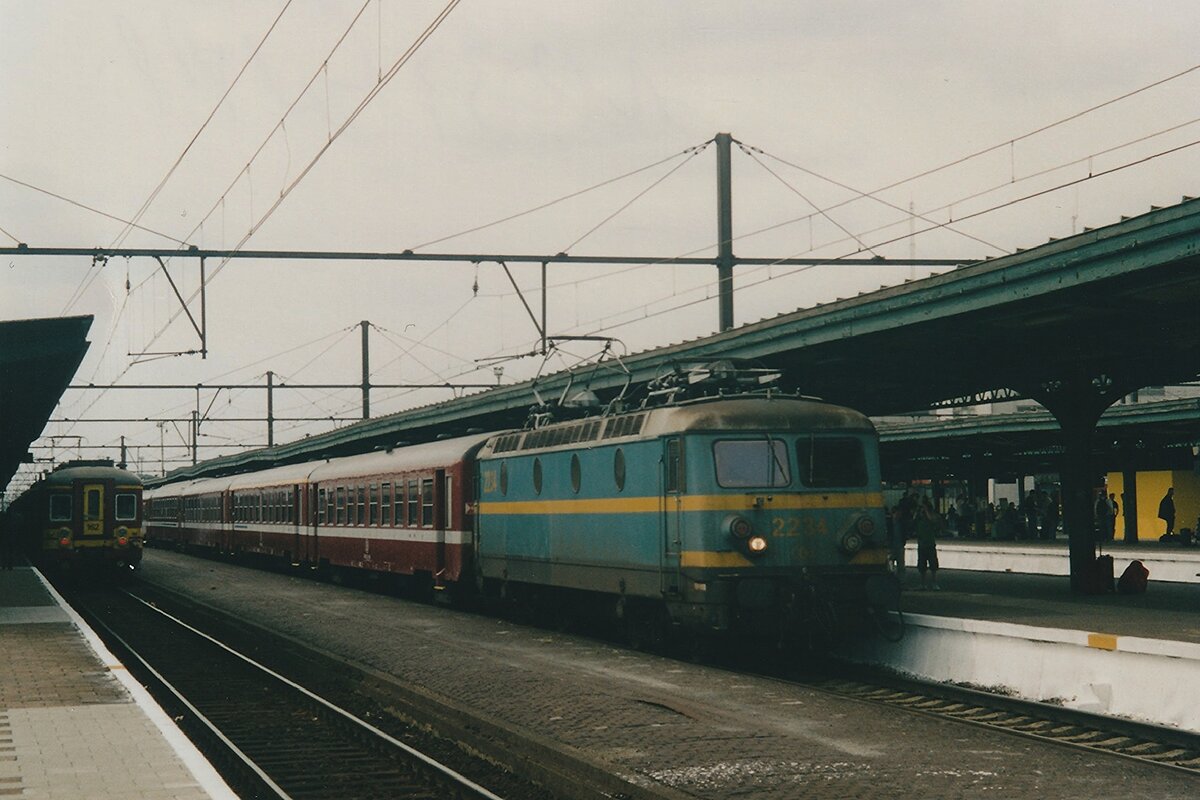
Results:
<point x="85" y="515"/>
<point x="759" y="514"/>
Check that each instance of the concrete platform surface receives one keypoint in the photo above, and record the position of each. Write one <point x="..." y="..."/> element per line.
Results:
<point x="697" y="730"/>
<point x="73" y="724"/>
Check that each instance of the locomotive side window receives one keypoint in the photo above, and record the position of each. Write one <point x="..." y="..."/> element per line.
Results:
<point x="60" y="508"/>
<point x="537" y="476"/>
<point x="746" y="463"/>
<point x="504" y="478"/>
<point x="576" y="473"/>
<point x="126" y="506"/>
<point x="619" y="469"/>
<point x="831" y="462"/>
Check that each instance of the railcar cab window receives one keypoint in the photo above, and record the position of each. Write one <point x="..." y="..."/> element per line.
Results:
<point x="751" y="463"/>
<point x="831" y="462"/>
<point x="60" y="508"/>
<point x="126" y="506"/>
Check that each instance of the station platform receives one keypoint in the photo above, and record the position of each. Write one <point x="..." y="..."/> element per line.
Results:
<point x="1173" y="563"/>
<point x="1133" y="656"/>
<point x="73" y="723"/>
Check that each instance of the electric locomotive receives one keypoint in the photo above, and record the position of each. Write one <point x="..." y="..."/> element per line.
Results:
<point x="753" y="512"/>
<point x="82" y="515"/>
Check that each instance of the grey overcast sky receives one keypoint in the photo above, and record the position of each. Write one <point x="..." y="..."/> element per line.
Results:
<point x="505" y="107"/>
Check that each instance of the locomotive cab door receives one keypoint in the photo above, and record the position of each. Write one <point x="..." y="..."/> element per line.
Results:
<point x="674" y="484"/>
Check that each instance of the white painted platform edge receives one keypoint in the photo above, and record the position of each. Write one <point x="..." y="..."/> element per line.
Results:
<point x="204" y="772"/>
<point x="1125" y="644"/>
<point x="1147" y="680"/>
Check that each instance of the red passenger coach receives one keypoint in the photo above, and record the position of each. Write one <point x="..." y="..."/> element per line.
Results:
<point x="405" y="511"/>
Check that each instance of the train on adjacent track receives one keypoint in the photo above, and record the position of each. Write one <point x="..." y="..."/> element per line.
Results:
<point x="83" y="515"/>
<point x="752" y="512"/>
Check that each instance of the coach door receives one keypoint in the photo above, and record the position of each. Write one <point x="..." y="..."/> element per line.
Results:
<point x="674" y="484"/>
<point x="441" y="520"/>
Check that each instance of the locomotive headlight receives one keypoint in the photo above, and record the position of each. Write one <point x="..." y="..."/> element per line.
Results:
<point x="756" y="545"/>
<point x="740" y="528"/>
<point x="866" y="526"/>
<point x="852" y="542"/>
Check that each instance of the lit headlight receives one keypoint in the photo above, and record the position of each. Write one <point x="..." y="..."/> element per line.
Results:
<point x="740" y="527"/>
<point x="852" y="542"/>
<point x="756" y="545"/>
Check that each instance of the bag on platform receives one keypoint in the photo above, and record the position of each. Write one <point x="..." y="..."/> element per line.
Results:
<point x="1099" y="579"/>
<point x="1133" y="579"/>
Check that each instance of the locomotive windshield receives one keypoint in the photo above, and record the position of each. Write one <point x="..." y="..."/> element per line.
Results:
<point x="745" y="463"/>
<point x="831" y="462"/>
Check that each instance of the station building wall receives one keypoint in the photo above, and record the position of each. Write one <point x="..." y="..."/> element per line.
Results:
<point x="1151" y="487"/>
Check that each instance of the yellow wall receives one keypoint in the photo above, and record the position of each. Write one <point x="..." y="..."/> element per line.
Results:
<point x="1151" y="486"/>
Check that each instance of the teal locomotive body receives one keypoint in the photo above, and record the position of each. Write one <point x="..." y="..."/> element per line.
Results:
<point x="718" y="514"/>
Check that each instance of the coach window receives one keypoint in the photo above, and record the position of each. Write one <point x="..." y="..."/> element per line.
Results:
<point x="537" y="476"/>
<point x="374" y="499"/>
<point x="60" y="508"/>
<point x="321" y="510"/>
<point x="414" y="503"/>
<point x="398" y="517"/>
<point x="362" y="505"/>
<point x="426" y="503"/>
<point x="619" y="469"/>
<point x="576" y="473"/>
<point x="126" y="506"/>
<point x="341" y="505"/>
<point x="385" y="506"/>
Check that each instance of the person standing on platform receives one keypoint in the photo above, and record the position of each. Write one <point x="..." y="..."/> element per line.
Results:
<point x="1104" y="519"/>
<point x="929" y="525"/>
<point x="1113" y="510"/>
<point x="1166" y="510"/>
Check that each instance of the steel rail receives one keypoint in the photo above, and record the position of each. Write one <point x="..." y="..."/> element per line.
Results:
<point x="453" y="775"/>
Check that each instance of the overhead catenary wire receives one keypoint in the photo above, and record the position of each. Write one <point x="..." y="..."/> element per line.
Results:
<point x="374" y="92"/>
<point x="833" y="260"/>
<point x="557" y="200"/>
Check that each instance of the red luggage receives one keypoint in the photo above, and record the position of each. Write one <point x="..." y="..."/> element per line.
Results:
<point x="1133" y="579"/>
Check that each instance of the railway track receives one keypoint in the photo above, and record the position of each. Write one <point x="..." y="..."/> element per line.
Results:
<point x="267" y="735"/>
<point x="1163" y="747"/>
